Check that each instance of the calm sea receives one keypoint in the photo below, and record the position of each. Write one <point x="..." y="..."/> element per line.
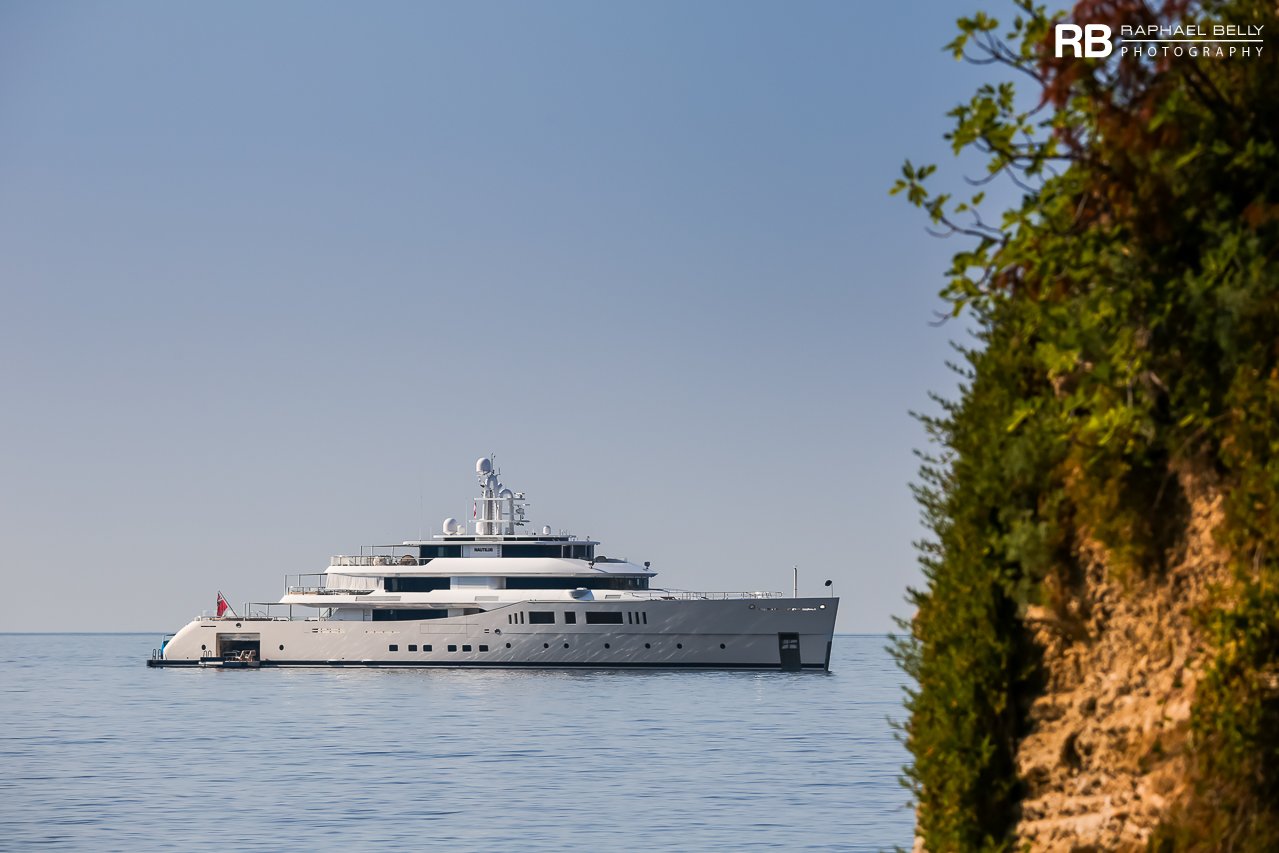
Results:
<point x="98" y="752"/>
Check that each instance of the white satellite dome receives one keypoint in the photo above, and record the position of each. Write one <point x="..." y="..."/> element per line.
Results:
<point x="451" y="525"/>
<point x="546" y="530"/>
<point x="483" y="465"/>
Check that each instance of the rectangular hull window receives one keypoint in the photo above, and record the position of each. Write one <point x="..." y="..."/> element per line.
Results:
<point x="414" y="584"/>
<point x="381" y="615"/>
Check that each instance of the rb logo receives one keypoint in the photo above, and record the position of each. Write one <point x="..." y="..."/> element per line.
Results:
<point x="1096" y="39"/>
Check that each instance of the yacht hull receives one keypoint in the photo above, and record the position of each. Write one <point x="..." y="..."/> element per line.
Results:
<point x="654" y="633"/>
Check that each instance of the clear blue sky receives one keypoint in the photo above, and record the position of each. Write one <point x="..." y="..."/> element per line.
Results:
<point x="273" y="275"/>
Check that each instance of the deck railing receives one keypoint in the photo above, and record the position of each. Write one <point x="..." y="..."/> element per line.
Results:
<point x="325" y="584"/>
<point x="694" y="595"/>
<point x="340" y="560"/>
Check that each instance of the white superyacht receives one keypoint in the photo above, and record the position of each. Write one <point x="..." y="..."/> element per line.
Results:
<point x="497" y="597"/>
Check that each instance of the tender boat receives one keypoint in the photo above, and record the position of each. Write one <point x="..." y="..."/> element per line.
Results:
<point x="495" y="596"/>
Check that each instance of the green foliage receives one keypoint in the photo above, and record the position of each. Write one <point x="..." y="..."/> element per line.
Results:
<point x="1127" y="312"/>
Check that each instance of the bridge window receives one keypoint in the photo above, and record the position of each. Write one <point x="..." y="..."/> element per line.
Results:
<point x="430" y="552"/>
<point x="541" y="617"/>
<point x="597" y="582"/>
<point x="603" y="617"/>
<point x="570" y="618"/>
<point x="530" y="550"/>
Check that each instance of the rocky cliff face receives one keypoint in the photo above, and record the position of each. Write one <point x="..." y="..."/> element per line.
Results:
<point x="1106" y="758"/>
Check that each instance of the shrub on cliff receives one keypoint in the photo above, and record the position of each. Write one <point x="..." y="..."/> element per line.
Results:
<point x="1127" y="315"/>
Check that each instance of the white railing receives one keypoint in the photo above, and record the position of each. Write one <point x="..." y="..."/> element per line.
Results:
<point x="693" y="595"/>
<point x="378" y="560"/>
<point x="326" y="584"/>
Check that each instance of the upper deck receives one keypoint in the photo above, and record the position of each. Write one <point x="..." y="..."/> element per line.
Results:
<point x="415" y="553"/>
<point x="493" y="548"/>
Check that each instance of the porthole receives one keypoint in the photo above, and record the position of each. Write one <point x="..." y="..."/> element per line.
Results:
<point x="508" y="645"/>
<point x="721" y="645"/>
<point x="679" y="645"/>
<point x="237" y="624"/>
<point x="566" y="645"/>
<point x="546" y="645"/>
<point x="281" y="648"/>
<point x="204" y="648"/>
<point x="648" y="646"/>
<point x="606" y="645"/>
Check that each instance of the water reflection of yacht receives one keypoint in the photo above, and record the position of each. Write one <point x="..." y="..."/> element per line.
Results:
<point x="499" y="597"/>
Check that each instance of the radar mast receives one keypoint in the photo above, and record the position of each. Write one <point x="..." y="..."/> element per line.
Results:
<point x="498" y="510"/>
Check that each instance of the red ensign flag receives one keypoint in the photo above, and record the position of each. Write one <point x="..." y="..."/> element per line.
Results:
<point x="222" y="605"/>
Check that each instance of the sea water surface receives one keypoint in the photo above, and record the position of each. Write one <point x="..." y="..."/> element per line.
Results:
<point x="98" y="752"/>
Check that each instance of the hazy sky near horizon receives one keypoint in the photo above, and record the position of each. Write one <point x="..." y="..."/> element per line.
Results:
<point x="274" y="275"/>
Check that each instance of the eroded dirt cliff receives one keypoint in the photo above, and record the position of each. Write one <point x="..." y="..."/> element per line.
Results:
<point x="1106" y="756"/>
